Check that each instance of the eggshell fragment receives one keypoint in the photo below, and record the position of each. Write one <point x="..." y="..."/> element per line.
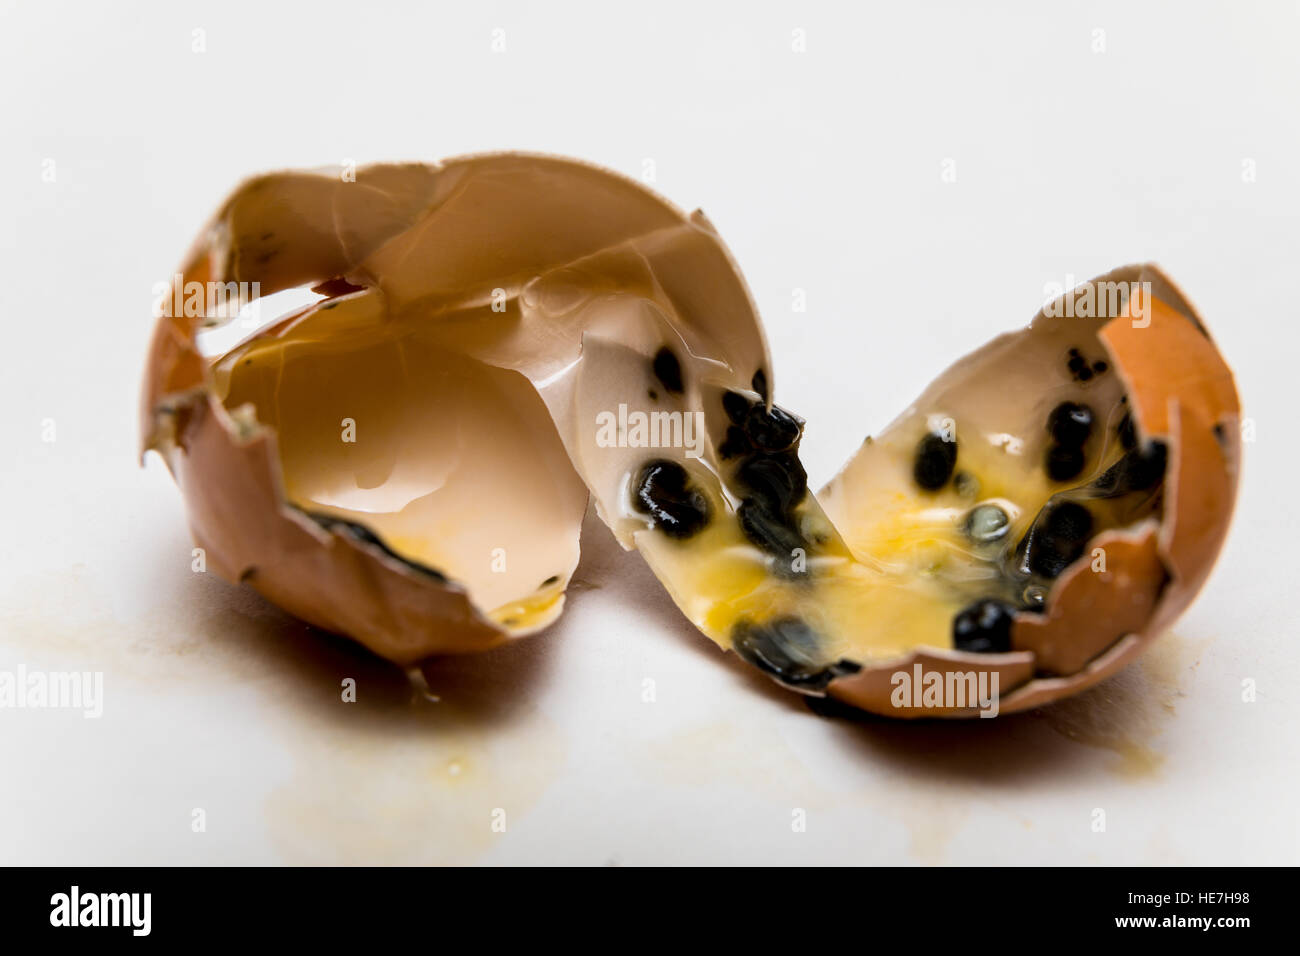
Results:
<point x="429" y="270"/>
<point x="1181" y="392"/>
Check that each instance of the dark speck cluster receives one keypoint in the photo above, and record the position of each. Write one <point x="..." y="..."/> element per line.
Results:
<point x="1080" y="369"/>
<point x="1070" y="426"/>
<point x="764" y="443"/>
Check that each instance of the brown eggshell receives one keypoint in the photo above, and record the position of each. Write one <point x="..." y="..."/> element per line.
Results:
<point x="879" y="683"/>
<point x="328" y="578"/>
<point x="1181" y="391"/>
<point x="457" y="247"/>
<point x="1113" y="603"/>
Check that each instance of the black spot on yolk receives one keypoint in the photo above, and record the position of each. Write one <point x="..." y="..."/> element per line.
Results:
<point x="789" y="650"/>
<point x="668" y="370"/>
<point x="776" y="483"/>
<point x="771" y="429"/>
<point x="736" y="443"/>
<point x="765" y="442"/>
<point x="777" y="480"/>
<point x="983" y="628"/>
<point x="1056" y="539"/>
<point x="736" y="406"/>
<point x="770" y="530"/>
<point x="1081" y="370"/>
<point x="1064" y="463"/>
<point x="1070" y="424"/>
<point x="664" y="492"/>
<point x="1141" y="469"/>
<point x="935" y="459"/>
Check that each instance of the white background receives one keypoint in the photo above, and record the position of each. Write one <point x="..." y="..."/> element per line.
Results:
<point x="822" y="170"/>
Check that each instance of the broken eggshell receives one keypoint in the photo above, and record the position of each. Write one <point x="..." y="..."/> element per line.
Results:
<point x="1097" y="619"/>
<point x="451" y="522"/>
<point x="499" y="309"/>
<point x="878" y="578"/>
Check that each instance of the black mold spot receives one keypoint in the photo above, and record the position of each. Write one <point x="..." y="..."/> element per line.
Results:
<point x="1141" y="469"/>
<point x="769" y="530"/>
<point x="668" y="370"/>
<point x="1056" y="539"/>
<point x="1081" y="369"/>
<point x="663" y="491"/>
<point x="364" y="534"/>
<point x="736" y="406"/>
<point x="789" y="650"/>
<point x="983" y="628"/>
<point x="778" y="480"/>
<point x="765" y="442"/>
<point x="777" y="483"/>
<point x="735" y="444"/>
<point x="772" y="429"/>
<point x="1070" y="424"/>
<point x="1126" y="433"/>
<point x="1064" y="463"/>
<point x="935" y="459"/>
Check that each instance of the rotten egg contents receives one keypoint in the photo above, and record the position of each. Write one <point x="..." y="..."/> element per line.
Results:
<point x="1039" y="513"/>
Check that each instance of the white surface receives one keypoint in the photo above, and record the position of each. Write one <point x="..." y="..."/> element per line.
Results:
<point x="822" y="170"/>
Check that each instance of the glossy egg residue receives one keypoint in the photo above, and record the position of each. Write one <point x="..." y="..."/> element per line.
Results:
<point x="510" y="334"/>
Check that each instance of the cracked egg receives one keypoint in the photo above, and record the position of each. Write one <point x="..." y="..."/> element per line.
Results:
<point x="407" y="460"/>
<point x="383" y="462"/>
<point x="1020" y="532"/>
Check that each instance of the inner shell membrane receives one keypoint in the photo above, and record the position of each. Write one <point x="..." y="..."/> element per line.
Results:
<point x="446" y="463"/>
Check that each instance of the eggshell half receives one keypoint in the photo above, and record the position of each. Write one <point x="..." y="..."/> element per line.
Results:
<point x="1181" y="391"/>
<point x="450" y="254"/>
